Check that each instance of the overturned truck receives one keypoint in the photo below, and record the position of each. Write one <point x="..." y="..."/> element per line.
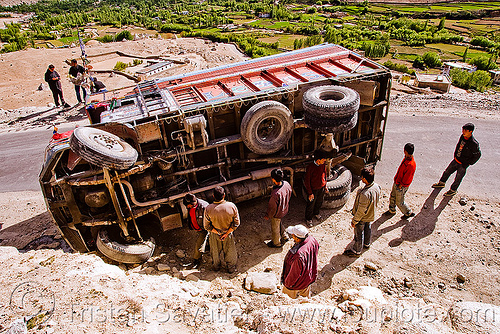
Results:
<point x="118" y="183"/>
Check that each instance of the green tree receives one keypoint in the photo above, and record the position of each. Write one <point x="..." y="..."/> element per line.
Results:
<point x="125" y="34"/>
<point x="464" y="57"/>
<point x="120" y="66"/>
<point x="431" y="59"/>
<point x="441" y="23"/>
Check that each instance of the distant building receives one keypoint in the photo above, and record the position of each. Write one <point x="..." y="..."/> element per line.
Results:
<point x="154" y="68"/>
<point x="495" y="76"/>
<point x="441" y="82"/>
<point x="449" y="65"/>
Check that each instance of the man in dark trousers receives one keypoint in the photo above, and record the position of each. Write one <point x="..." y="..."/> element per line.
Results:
<point x="277" y="208"/>
<point x="402" y="181"/>
<point x="221" y="219"/>
<point x="315" y="185"/>
<point x="74" y="70"/>
<point x="54" y="81"/>
<point x="300" y="267"/>
<point x="467" y="153"/>
<point x="196" y="211"/>
<point x="363" y="212"/>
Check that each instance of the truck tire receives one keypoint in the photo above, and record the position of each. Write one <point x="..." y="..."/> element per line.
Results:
<point x="266" y="127"/>
<point x="336" y="202"/>
<point x="102" y="148"/>
<point x="339" y="188"/>
<point x="340" y="182"/>
<point x="331" y="126"/>
<point x="123" y="253"/>
<point x="331" y="101"/>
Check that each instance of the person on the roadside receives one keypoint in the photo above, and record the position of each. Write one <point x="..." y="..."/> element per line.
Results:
<point x="363" y="212"/>
<point x="54" y="80"/>
<point x="196" y="211"/>
<point x="96" y="86"/>
<point x="467" y="153"/>
<point x="277" y="208"/>
<point x="402" y="181"/>
<point x="75" y="70"/>
<point x="315" y="185"/>
<point x="300" y="267"/>
<point x="221" y="219"/>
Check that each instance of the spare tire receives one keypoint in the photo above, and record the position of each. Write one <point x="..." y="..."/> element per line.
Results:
<point x="331" y="126"/>
<point x="266" y="127"/>
<point x="331" y="101"/>
<point x="339" y="188"/>
<point x="124" y="253"/>
<point x="102" y="148"/>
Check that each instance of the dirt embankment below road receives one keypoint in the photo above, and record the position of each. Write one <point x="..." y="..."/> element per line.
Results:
<point x="423" y="267"/>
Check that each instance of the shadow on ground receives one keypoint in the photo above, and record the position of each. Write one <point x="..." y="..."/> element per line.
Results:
<point x="421" y="226"/>
<point x="38" y="232"/>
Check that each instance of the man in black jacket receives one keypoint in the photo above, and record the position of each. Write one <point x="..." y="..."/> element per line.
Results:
<point x="74" y="70"/>
<point x="467" y="153"/>
<point x="54" y="81"/>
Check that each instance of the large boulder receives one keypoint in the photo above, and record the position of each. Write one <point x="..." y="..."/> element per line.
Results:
<point x="475" y="317"/>
<point x="262" y="282"/>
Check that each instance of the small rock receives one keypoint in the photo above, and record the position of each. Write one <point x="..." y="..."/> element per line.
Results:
<point x="371" y="266"/>
<point x="192" y="277"/>
<point x="178" y="275"/>
<point x="462" y="201"/>
<point x="441" y="286"/>
<point x="216" y="294"/>
<point x="268" y="270"/>
<point x="408" y="283"/>
<point x="180" y="254"/>
<point x="122" y="267"/>
<point x="53" y="245"/>
<point x="262" y="282"/>
<point x="149" y="270"/>
<point x="461" y="278"/>
<point x="175" y="270"/>
<point x="163" y="267"/>
<point x="472" y="208"/>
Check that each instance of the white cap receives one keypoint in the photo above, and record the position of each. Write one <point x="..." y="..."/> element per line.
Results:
<point x="300" y="231"/>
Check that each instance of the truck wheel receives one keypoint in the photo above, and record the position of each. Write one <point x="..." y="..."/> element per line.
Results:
<point x="331" y="101"/>
<point x="336" y="202"/>
<point x="339" y="188"/>
<point x="266" y="127"/>
<point x="102" y="148"/>
<point x="120" y="252"/>
<point x="340" y="182"/>
<point x="331" y="126"/>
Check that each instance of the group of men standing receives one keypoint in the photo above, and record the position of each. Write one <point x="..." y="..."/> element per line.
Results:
<point x="76" y="72"/>
<point x="219" y="219"/>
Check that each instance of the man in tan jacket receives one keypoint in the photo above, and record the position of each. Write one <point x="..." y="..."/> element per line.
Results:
<point x="221" y="219"/>
<point x="364" y="212"/>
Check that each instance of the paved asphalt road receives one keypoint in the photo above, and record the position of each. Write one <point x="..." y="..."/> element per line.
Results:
<point x="434" y="137"/>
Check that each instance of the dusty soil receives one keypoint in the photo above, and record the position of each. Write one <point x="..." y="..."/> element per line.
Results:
<point x="447" y="253"/>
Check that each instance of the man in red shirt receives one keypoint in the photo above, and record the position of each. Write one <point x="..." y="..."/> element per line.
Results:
<point x="315" y="185"/>
<point x="402" y="180"/>
<point x="300" y="268"/>
<point x="196" y="211"/>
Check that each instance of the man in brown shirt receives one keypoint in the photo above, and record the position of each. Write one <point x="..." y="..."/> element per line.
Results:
<point x="221" y="219"/>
